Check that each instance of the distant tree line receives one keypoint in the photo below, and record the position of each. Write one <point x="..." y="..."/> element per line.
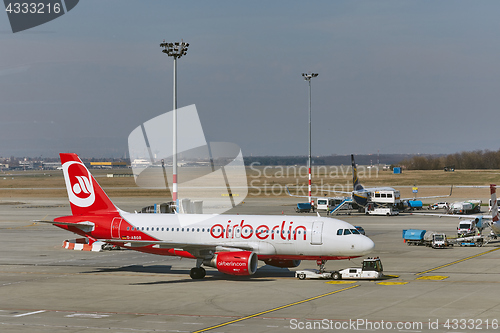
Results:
<point x="478" y="159"/>
<point x="361" y="159"/>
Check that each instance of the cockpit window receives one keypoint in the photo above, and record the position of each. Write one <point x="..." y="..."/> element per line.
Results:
<point x="354" y="231"/>
<point x="347" y="232"/>
<point x="339" y="232"/>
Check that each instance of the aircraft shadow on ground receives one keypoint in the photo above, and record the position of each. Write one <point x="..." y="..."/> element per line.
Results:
<point x="263" y="274"/>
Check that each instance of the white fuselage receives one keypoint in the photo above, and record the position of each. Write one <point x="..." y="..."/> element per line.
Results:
<point x="267" y="235"/>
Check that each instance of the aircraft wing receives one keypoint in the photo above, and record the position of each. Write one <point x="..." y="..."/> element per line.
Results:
<point x="459" y="216"/>
<point x="181" y="245"/>
<point x="432" y="196"/>
<point x="198" y="250"/>
<point x="306" y="196"/>
<point x="294" y="195"/>
<point x="336" y="191"/>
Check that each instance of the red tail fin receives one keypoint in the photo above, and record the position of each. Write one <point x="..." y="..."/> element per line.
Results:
<point x="85" y="195"/>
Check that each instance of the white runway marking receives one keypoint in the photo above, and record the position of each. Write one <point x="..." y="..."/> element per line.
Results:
<point x="29" y="313"/>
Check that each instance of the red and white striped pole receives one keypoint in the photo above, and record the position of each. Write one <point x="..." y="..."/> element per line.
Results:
<point x="174" y="139"/>
<point x="308" y="78"/>
<point x="175" y="50"/>
<point x="310" y="200"/>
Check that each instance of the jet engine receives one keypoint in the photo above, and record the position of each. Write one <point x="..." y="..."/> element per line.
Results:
<point x="282" y="263"/>
<point x="234" y="263"/>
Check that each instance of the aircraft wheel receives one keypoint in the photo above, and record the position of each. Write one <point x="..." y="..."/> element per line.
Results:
<point x="336" y="276"/>
<point x="197" y="273"/>
<point x="202" y="272"/>
<point x="302" y="276"/>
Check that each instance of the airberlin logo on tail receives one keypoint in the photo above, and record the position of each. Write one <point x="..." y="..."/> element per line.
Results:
<point x="79" y="184"/>
<point x="83" y="186"/>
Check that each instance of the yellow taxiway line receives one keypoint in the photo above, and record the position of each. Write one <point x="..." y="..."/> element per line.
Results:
<point x="456" y="262"/>
<point x="275" y="309"/>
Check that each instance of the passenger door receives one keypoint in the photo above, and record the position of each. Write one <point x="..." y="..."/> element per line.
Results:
<point x="316" y="233"/>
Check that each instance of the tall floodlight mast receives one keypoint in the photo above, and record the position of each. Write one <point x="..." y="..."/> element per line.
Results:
<point x="308" y="78"/>
<point x="175" y="50"/>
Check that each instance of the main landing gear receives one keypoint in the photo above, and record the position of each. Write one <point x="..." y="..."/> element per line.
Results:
<point x="198" y="272"/>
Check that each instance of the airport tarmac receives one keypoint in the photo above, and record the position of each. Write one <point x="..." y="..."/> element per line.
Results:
<point x="45" y="288"/>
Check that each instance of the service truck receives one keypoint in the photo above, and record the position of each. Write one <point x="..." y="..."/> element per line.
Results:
<point x="465" y="207"/>
<point x="371" y="270"/>
<point x="470" y="232"/>
<point x="371" y="209"/>
<point x="471" y="227"/>
<point x="433" y="239"/>
<point x="414" y="204"/>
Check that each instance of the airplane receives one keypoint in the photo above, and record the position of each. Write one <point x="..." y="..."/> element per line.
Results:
<point x="378" y="195"/>
<point x="231" y="243"/>
<point x="374" y="196"/>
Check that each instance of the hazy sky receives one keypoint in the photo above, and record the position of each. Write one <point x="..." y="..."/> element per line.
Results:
<point x="395" y="76"/>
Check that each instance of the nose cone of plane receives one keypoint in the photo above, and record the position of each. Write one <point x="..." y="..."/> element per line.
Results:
<point x="365" y="246"/>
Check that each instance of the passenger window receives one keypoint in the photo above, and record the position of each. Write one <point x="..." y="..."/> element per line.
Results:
<point x="347" y="232"/>
<point x="203" y="230"/>
<point x="182" y="229"/>
<point x="383" y="195"/>
<point x="377" y="195"/>
<point x="339" y="232"/>
<point x="389" y="195"/>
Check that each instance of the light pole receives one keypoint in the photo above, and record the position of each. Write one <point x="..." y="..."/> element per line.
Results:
<point x="175" y="50"/>
<point x="308" y="78"/>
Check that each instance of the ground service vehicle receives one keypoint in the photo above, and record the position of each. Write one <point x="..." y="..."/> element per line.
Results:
<point x="438" y="205"/>
<point x="330" y="203"/>
<point x="387" y="211"/>
<point x="360" y="229"/>
<point x="423" y="237"/>
<point x="465" y="207"/>
<point x="304" y="207"/>
<point x="371" y="269"/>
<point x="469" y="227"/>
<point x="323" y="204"/>
<point x="415" y="204"/>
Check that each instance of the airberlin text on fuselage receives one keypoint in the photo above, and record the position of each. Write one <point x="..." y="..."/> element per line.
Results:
<point x="246" y="231"/>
